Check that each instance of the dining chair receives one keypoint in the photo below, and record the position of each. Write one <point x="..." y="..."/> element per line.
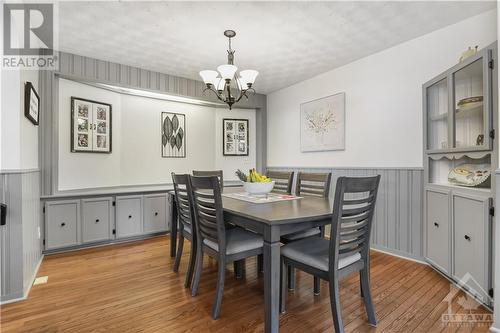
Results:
<point x="283" y="181"/>
<point x="346" y="252"/>
<point x="218" y="173"/>
<point x="186" y="226"/>
<point x="308" y="184"/>
<point x="214" y="239"/>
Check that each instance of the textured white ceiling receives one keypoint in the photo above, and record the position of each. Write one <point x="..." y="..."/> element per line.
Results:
<point x="286" y="42"/>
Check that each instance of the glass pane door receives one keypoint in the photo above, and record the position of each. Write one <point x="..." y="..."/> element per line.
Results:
<point x="437" y="116"/>
<point x="469" y="106"/>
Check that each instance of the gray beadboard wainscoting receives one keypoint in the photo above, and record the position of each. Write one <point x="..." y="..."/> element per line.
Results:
<point x="20" y="244"/>
<point x="398" y="221"/>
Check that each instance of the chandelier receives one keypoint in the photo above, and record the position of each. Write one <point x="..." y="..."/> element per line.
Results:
<point x="226" y="76"/>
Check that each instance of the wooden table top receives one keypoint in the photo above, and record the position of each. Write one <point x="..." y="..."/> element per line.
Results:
<point x="282" y="212"/>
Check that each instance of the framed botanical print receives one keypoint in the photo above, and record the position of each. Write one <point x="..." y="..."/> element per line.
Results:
<point x="235" y="137"/>
<point x="91" y="126"/>
<point x="322" y="124"/>
<point x="31" y="103"/>
<point x="173" y="135"/>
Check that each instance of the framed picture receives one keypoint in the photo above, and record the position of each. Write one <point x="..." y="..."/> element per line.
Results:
<point x="91" y="126"/>
<point x="31" y="103"/>
<point x="173" y="135"/>
<point x="322" y="124"/>
<point x="235" y="137"/>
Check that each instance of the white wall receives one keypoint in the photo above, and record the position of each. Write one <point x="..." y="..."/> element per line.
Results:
<point x="136" y="156"/>
<point x="383" y="100"/>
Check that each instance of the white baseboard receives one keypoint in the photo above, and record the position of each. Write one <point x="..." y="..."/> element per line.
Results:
<point x="386" y="251"/>
<point x="27" y="291"/>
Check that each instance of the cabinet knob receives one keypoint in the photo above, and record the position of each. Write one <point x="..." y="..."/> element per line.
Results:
<point x="467" y="237"/>
<point x="97" y="221"/>
<point x="156" y="213"/>
<point x="130" y="216"/>
<point x="63" y="224"/>
<point x="436" y="224"/>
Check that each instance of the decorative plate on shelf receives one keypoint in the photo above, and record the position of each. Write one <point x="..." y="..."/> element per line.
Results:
<point x="469" y="174"/>
<point x="470" y="103"/>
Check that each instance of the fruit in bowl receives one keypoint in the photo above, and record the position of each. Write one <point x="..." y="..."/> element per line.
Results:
<point x="254" y="183"/>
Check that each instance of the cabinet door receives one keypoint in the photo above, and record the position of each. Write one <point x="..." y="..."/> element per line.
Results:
<point x="61" y="223"/>
<point x="97" y="219"/>
<point x="155" y="213"/>
<point x="472" y="103"/>
<point x="128" y="216"/>
<point x="438" y="229"/>
<point x="471" y="242"/>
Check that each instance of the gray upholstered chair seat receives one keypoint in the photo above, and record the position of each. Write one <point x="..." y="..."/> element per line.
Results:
<point x="187" y="229"/>
<point x="238" y="240"/>
<point x="302" y="234"/>
<point x="314" y="252"/>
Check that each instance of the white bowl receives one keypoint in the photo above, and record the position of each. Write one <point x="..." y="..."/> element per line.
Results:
<point x="258" y="188"/>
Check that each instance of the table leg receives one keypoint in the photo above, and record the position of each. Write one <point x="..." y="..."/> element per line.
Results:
<point x="271" y="285"/>
<point x="173" y="228"/>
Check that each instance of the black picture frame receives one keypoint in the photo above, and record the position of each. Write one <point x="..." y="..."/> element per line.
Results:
<point x="169" y="152"/>
<point x="72" y="126"/>
<point x="30" y="95"/>
<point x="237" y="141"/>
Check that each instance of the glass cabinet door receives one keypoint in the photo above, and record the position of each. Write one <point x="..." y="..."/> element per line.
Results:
<point x="471" y="116"/>
<point x="437" y="116"/>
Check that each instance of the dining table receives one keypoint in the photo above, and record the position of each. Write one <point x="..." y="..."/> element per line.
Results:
<point x="271" y="220"/>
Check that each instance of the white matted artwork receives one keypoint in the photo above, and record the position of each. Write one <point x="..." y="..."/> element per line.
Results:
<point x="322" y="124"/>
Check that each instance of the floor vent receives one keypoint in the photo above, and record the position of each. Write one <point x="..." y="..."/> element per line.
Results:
<point x="41" y="280"/>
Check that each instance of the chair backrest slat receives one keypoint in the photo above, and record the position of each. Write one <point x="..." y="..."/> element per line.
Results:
<point x="207" y="173"/>
<point x="184" y="209"/>
<point x="353" y="210"/>
<point x="313" y="184"/>
<point x="283" y="181"/>
<point x="207" y="208"/>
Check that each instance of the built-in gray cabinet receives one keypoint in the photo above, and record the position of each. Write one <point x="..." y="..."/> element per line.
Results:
<point x="62" y="222"/>
<point x="97" y="219"/>
<point x="88" y="221"/>
<point x="129" y="216"/>
<point x="155" y="213"/>
<point x="438" y="229"/>
<point x="472" y="242"/>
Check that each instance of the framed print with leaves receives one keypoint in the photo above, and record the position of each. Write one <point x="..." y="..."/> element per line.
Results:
<point x="173" y="135"/>
<point x="91" y="126"/>
<point x="235" y="137"/>
<point x="31" y="103"/>
<point x="322" y="124"/>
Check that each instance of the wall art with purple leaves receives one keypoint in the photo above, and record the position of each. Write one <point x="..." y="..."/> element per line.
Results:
<point x="173" y="135"/>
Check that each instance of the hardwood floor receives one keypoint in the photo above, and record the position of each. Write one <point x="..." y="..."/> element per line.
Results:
<point x="132" y="288"/>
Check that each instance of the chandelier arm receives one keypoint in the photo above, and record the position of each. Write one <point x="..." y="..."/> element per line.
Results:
<point x="215" y="92"/>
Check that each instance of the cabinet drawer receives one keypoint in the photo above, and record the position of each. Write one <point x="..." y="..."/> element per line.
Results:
<point x="155" y="213"/>
<point x="438" y="229"/>
<point x="128" y="216"/>
<point x="62" y="223"/>
<point x="471" y="242"/>
<point x="97" y="219"/>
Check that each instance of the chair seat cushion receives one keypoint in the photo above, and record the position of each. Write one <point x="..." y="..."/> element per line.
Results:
<point x="238" y="240"/>
<point x="302" y="234"/>
<point x="314" y="252"/>
<point x="187" y="229"/>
